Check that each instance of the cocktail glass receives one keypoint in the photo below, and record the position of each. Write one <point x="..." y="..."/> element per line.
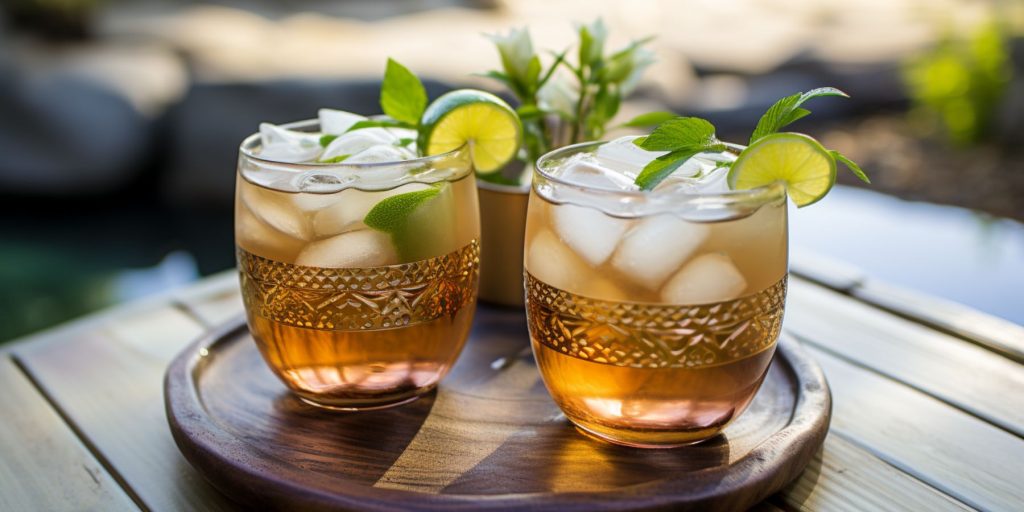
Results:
<point x="347" y="316"/>
<point x="653" y="315"/>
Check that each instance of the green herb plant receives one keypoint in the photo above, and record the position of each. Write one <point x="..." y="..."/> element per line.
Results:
<point x="961" y="82"/>
<point x="575" y="106"/>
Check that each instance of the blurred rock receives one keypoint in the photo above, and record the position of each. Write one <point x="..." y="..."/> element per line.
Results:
<point x="81" y="119"/>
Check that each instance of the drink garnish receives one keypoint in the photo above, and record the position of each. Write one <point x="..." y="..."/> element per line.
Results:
<point x="798" y="160"/>
<point x="417" y="221"/>
<point x="807" y="169"/>
<point x="480" y="119"/>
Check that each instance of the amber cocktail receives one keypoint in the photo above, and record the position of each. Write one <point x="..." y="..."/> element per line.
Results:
<point x="653" y="315"/>
<point x="359" y="278"/>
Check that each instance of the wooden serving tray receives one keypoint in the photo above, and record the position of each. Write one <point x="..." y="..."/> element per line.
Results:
<point x="489" y="438"/>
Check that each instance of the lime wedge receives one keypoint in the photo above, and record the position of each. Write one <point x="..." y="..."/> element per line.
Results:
<point x="807" y="169"/>
<point x="419" y="222"/>
<point x="482" y="120"/>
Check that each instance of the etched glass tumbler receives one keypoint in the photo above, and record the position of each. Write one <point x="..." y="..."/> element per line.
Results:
<point x="653" y="314"/>
<point x="359" y="281"/>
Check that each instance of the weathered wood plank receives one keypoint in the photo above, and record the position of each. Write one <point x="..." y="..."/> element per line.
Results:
<point x="835" y="274"/>
<point x="938" y="364"/>
<point x="962" y="456"/>
<point x="108" y="382"/>
<point x="214" y="300"/>
<point x="845" y="477"/>
<point x="44" y="466"/>
<point x="995" y="334"/>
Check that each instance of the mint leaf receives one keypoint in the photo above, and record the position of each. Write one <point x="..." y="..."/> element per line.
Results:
<point x="335" y="160"/>
<point x="796" y="114"/>
<point x="390" y="214"/>
<point x="649" y="119"/>
<point x="405" y="141"/>
<point x="326" y="140"/>
<point x="850" y="164"/>
<point x="402" y="95"/>
<point x="660" y="168"/>
<point x="378" y="123"/>
<point x="680" y="133"/>
<point x="787" y="110"/>
<point x="682" y="137"/>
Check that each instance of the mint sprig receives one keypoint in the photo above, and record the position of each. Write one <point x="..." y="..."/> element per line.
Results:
<point x="851" y="165"/>
<point x="788" y="109"/>
<point x="682" y="137"/>
<point x="402" y="95"/>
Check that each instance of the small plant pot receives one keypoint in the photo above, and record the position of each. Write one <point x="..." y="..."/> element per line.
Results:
<point x="502" y="237"/>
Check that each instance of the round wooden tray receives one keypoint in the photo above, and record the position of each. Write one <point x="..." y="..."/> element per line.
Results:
<point x="489" y="438"/>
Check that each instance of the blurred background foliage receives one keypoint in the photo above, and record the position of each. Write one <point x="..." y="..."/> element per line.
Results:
<point x="958" y="85"/>
<point x="120" y="121"/>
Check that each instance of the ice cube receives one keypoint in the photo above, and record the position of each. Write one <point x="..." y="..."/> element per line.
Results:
<point x="589" y="232"/>
<point x="549" y="260"/>
<point x="584" y="169"/>
<point x="403" y="133"/>
<point x="363" y="248"/>
<point x="283" y="145"/>
<point x="350" y="206"/>
<point x="276" y="210"/>
<point x="258" y="238"/>
<point x="655" y="247"/>
<point x="355" y="141"/>
<point x="314" y="202"/>
<point x="708" y="278"/>
<point x="337" y="122"/>
<point x="695" y="177"/>
<point x="623" y="156"/>
<point x="379" y="154"/>
<point x="757" y="244"/>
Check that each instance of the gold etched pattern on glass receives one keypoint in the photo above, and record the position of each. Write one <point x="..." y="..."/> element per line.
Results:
<point x="361" y="338"/>
<point x="359" y="298"/>
<point x="653" y="375"/>
<point x="643" y="335"/>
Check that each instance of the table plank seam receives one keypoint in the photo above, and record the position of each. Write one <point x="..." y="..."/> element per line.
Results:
<point x="190" y="311"/>
<point x="964" y="408"/>
<point x="903" y="468"/>
<point x="80" y="434"/>
<point x="856" y="291"/>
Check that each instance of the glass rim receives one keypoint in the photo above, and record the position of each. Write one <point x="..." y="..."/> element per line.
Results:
<point x="759" y="195"/>
<point x="245" y="149"/>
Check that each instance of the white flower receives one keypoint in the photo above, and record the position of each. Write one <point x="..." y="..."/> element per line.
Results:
<point x="592" y="38"/>
<point x="558" y="95"/>
<point x="516" y="50"/>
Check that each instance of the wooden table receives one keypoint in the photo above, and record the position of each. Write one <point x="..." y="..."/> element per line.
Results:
<point x="928" y="403"/>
